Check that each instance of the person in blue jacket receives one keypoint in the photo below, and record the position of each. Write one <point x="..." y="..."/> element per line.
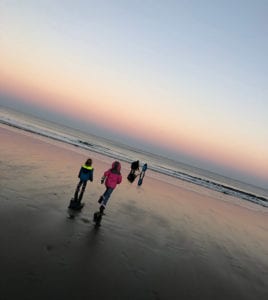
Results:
<point x="85" y="174"/>
<point x="142" y="174"/>
<point x="144" y="167"/>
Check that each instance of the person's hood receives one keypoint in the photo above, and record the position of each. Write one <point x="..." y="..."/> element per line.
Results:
<point x="116" y="165"/>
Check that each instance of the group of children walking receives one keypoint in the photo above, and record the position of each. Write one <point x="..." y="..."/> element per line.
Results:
<point x="111" y="178"/>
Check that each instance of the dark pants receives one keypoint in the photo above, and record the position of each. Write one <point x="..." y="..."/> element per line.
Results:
<point x="77" y="196"/>
<point x="142" y="174"/>
<point x="106" y="195"/>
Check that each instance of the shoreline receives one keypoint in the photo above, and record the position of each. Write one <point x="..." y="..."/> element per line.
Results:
<point x="157" y="241"/>
<point x="209" y="184"/>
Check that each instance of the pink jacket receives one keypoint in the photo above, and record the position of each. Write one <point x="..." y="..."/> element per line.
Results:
<point x="113" y="176"/>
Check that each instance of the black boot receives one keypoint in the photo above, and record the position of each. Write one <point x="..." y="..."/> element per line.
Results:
<point x="102" y="208"/>
<point x="76" y="195"/>
<point x="100" y="200"/>
<point x="98" y="216"/>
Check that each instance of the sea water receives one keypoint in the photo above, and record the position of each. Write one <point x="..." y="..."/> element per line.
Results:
<point x="156" y="163"/>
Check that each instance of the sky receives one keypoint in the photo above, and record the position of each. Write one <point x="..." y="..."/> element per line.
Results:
<point x="186" y="79"/>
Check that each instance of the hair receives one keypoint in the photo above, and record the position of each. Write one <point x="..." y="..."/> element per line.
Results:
<point x="88" y="162"/>
<point x="116" y="166"/>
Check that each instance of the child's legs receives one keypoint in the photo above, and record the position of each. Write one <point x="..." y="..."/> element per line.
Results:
<point x="84" y="184"/>
<point x="106" y="195"/>
<point x="77" y="189"/>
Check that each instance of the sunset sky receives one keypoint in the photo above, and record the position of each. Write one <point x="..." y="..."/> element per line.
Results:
<point x="185" y="79"/>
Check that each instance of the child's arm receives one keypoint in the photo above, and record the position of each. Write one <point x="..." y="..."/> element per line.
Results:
<point x="91" y="175"/>
<point x="104" y="176"/>
<point x="106" y="173"/>
<point x="119" y="179"/>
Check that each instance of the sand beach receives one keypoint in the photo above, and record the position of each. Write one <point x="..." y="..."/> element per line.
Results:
<point x="166" y="239"/>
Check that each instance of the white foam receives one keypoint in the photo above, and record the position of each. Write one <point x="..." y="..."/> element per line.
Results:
<point x="127" y="157"/>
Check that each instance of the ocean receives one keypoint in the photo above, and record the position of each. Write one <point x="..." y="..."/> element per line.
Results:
<point x="158" y="164"/>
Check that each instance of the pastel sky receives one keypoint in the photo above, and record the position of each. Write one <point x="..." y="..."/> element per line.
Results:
<point x="185" y="79"/>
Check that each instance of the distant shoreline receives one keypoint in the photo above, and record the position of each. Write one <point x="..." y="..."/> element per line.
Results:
<point x="222" y="188"/>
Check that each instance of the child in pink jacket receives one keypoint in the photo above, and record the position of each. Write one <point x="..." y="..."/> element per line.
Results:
<point x="112" y="177"/>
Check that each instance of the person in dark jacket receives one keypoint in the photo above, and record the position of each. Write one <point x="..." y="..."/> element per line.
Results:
<point x="85" y="175"/>
<point x="135" y="166"/>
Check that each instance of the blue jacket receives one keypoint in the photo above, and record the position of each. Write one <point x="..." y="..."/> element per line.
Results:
<point x="144" y="168"/>
<point x="86" y="173"/>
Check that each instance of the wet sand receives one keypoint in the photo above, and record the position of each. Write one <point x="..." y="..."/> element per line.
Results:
<point x="167" y="239"/>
